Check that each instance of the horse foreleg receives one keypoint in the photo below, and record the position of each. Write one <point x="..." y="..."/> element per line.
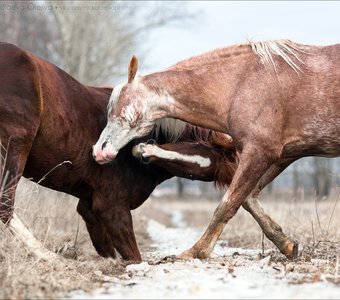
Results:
<point x="182" y="159"/>
<point x="253" y="165"/>
<point x="96" y="229"/>
<point x="117" y="219"/>
<point x="120" y="229"/>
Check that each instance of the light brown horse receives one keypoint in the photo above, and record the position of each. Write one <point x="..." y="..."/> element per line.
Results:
<point x="278" y="100"/>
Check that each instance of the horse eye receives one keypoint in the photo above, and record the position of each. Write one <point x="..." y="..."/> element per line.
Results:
<point x="133" y="123"/>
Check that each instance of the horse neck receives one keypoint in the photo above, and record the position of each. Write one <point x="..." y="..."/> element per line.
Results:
<point x="92" y="105"/>
<point x="199" y="95"/>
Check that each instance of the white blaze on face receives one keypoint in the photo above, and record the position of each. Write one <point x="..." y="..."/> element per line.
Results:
<point x="136" y="119"/>
<point x="117" y="132"/>
<point x="153" y="150"/>
<point x="129" y="113"/>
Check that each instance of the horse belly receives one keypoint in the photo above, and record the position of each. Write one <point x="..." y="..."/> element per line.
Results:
<point x="325" y="146"/>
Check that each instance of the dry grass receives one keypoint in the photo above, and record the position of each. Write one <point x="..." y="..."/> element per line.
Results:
<point x="300" y="218"/>
<point x="315" y="225"/>
<point x="53" y="219"/>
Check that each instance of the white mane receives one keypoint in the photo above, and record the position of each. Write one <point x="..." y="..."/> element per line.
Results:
<point x="114" y="96"/>
<point x="117" y="90"/>
<point x="171" y="128"/>
<point x="286" y="49"/>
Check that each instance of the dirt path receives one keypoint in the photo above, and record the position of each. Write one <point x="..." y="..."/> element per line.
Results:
<point x="230" y="273"/>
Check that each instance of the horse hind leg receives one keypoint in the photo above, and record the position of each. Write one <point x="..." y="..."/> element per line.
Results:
<point x="254" y="163"/>
<point x="21" y="232"/>
<point x="7" y="188"/>
<point x="271" y="229"/>
<point x="13" y="162"/>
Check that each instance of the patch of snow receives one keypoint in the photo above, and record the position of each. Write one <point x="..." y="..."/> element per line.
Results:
<point x="177" y="219"/>
<point x="215" y="278"/>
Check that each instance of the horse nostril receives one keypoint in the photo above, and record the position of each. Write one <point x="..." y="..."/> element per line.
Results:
<point x="104" y="145"/>
<point x="94" y="156"/>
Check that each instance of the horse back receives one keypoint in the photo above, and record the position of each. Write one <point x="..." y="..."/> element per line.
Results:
<point x="61" y="116"/>
<point x="20" y="93"/>
<point x="72" y="117"/>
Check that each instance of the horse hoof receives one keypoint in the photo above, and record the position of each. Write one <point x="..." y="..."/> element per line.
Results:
<point x="138" y="150"/>
<point x="192" y="254"/>
<point x="291" y="249"/>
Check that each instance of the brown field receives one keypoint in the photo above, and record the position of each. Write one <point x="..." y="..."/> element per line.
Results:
<point x="53" y="218"/>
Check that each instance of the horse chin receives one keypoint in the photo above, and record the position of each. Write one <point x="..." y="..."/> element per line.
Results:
<point x="103" y="162"/>
<point x="104" y="158"/>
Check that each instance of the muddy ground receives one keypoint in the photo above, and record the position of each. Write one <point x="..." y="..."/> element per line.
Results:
<point x="243" y="265"/>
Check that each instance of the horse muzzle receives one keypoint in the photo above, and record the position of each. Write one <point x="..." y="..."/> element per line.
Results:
<point x="104" y="153"/>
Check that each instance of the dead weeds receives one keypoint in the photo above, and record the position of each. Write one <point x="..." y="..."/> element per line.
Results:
<point x="53" y="219"/>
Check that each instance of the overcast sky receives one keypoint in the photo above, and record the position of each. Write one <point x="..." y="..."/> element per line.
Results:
<point x="223" y="23"/>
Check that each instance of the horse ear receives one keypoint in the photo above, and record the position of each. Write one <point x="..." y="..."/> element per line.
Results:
<point x="133" y="67"/>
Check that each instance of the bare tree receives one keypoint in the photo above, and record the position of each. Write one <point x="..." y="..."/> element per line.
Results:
<point x="98" y="37"/>
<point x="180" y="187"/>
<point x="296" y="173"/>
<point x="322" y="176"/>
<point x="23" y="25"/>
<point x="91" y="40"/>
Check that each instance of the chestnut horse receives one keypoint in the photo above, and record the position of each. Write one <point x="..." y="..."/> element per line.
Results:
<point x="278" y="100"/>
<point x="49" y="119"/>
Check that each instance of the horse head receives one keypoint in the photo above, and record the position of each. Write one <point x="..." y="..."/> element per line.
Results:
<point x="129" y="115"/>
